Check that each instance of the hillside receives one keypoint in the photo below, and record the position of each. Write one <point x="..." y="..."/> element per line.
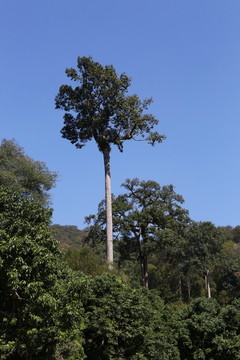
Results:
<point x="68" y="235"/>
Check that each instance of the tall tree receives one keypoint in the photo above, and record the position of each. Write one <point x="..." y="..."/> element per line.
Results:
<point x="100" y="109"/>
<point x="21" y="173"/>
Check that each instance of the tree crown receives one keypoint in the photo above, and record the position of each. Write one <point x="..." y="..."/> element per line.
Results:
<point x="21" y="173"/>
<point x="100" y="109"/>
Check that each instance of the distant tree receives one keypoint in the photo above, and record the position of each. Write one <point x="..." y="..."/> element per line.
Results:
<point x="99" y="108"/>
<point x="155" y="221"/>
<point x="236" y="234"/>
<point x="85" y="260"/>
<point x="21" y="173"/>
<point x="204" y="246"/>
<point x="226" y="273"/>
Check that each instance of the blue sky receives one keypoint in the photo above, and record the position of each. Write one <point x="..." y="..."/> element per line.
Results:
<point x="185" y="54"/>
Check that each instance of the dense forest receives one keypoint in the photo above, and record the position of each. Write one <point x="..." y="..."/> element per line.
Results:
<point x="59" y="300"/>
<point x="167" y="288"/>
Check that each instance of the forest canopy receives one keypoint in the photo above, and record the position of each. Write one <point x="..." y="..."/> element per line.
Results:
<point x="49" y="311"/>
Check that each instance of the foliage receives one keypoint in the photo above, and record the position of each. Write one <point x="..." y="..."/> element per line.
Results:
<point x="104" y="111"/>
<point x="150" y="225"/>
<point x="21" y="173"/>
<point x="226" y="273"/>
<point x="202" y="253"/>
<point x="147" y="219"/>
<point x="156" y="220"/>
<point x="125" y="323"/>
<point x="85" y="260"/>
<point x="204" y="243"/>
<point x="68" y="236"/>
<point x="236" y="234"/>
<point x="49" y="312"/>
<point x="208" y="332"/>
<point x="35" y="287"/>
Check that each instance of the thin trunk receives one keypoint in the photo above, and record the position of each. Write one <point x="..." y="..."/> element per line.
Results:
<point x="145" y="271"/>
<point x="143" y="263"/>
<point x="180" y="287"/>
<point x="207" y="281"/>
<point x="189" y="290"/>
<point x="108" y="199"/>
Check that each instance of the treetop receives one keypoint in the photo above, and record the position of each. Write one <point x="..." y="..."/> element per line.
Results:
<point x="99" y="108"/>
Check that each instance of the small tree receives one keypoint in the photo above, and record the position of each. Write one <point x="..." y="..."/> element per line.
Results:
<point x="100" y="109"/>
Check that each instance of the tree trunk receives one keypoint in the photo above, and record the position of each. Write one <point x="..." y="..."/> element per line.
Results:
<point x="180" y="287"/>
<point x="108" y="199"/>
<point x="189" y="290"/>
<point x="145" y="271"/>
<point x="143" y="262"/>
<point x="207" y="281"/>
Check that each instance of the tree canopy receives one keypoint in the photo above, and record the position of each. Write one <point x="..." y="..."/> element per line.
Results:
<point x="146" y="219"/>
<point x="50" y="311"/>
<point x="99" y="108"/>
<point x="34" y="296"/>
<point x="22" y="174"/>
